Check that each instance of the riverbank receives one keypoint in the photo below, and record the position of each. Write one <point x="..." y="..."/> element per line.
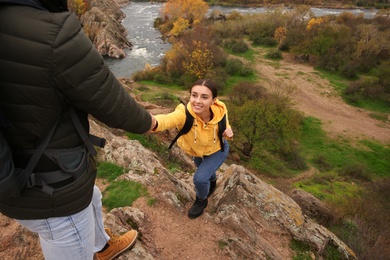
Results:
<point x="283" y="4"/>
<point x="147" y="45"/>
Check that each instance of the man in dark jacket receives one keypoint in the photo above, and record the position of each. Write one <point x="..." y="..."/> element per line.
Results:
<point x="48" y="64"/>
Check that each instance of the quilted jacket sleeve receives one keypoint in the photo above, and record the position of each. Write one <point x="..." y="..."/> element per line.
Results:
<point x="175" y="119"/>
<point x="86" y="81"/>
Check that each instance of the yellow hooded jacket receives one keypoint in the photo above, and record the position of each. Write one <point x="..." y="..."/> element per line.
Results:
<point x="202" y="139"/>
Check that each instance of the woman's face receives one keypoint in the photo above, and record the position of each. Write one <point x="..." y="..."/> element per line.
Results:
<point x="201" y="99"/>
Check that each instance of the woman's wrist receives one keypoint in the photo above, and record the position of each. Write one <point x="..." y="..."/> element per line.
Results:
<point x="154" y="123"/>
<point x="155" y="126"/>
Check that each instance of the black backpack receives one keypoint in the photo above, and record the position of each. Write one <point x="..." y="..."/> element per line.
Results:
<point x="9" y="176"/>
<point x="13" y="180"/>
<point x="189" y="123"/>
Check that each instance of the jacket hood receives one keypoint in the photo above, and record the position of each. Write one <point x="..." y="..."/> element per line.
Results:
<point x="218" y="109"/>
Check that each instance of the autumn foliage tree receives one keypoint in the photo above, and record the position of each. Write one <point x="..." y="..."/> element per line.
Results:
<point x="280" y="34"/>
<point x="79" y="7"/>
<point x="199" y="61"/>
<point x="178" y="15"/>
<point x="193" y="55"/>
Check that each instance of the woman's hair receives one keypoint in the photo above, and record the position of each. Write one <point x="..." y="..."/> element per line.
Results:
<point x="207" y="83"/>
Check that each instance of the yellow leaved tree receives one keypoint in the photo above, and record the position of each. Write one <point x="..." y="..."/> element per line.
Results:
<point x="280" y="34"/>
<point x="79" y="7"/>
<point x="184" y="13"/>
<point x="199" y="61"/>
<point x="179" y="26"/>
<point x="315" y="22"/>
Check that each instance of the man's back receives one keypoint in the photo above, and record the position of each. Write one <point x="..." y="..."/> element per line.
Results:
<point x="47" y="64"/>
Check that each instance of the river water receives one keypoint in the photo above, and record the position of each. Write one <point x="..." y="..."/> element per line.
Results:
<point x="149" y="48"/>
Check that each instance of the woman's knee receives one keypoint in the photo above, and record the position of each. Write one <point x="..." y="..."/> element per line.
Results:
<point x="199" y="179"/>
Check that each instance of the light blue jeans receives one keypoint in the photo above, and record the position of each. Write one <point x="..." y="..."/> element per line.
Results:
<point x="207" y="166"/>
<point x="75" y="237"/>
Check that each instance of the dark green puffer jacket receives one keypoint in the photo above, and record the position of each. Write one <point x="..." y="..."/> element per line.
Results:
<point x="47" y="62"/>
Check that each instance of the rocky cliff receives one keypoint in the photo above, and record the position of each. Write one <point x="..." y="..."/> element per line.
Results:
<point x="102" y="23"/>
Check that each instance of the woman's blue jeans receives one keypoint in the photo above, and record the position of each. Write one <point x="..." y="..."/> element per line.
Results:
<point x="207" y="166"/>
<point x="75" y="237"/>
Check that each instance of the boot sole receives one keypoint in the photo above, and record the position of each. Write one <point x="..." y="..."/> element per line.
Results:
<point x="194" y="216"/>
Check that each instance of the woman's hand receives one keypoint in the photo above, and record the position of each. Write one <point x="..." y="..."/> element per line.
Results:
<point x="228" y="133"/>
<point x="154" y="124"/>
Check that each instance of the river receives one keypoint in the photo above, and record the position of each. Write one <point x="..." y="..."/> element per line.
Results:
<point x="149" y="48"/>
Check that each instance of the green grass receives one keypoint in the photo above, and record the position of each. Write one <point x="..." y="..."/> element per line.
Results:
<point x="340" y="154"/>
<point x="153" y="83"/>
<point x="302" y="250"/>
<point x="122" y="193"/>
<point x="340" y="84"/>
<point x="249" y="55"/>
<point x="368" y="104"/>
<point x="234" y="80"/>
<point x="335" y="191"/>
<point x="109" y="171"/>
<point x="163" y="98"/>
<point x="341" y="164"/>
<point x="380" y="116"/>
<point x="119" y="193"/>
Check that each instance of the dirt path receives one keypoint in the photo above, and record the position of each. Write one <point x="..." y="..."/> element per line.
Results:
<point x="316" y="97"/>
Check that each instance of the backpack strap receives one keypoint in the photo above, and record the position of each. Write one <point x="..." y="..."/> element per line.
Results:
<point x="28" y="176"/>
<point x="221" y="129"/>
<point x="89" y="140"/>
<point x="46" y="178"/>
<point x="186" y="128"/>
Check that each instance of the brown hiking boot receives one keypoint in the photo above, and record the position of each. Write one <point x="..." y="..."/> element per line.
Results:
<point x="117" y="244"/>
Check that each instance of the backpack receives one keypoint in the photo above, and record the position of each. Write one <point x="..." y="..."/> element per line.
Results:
<point x="189" y="123"/>
<point x="9" y="184"/>
<point x="13" y="180"/>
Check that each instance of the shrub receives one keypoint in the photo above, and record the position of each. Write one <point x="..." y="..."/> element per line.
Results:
<point x="274" y="54"/>
<point x="294" y="158"/>
<point x="349" y="70"/>
<point x="322" y="163"/>
<point x="233" y="66"/>
<point x="357" y="171"/>
<point x="301" y="249"/>
<point x="244" y="91"/>
<point x="246" y="70"/>
<point x="237" y="46"/>
<point x="264" y="41"/>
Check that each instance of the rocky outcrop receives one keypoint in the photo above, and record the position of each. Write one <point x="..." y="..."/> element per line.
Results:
<point x="102" y="23"/>
<point x="261" y="219"/>
<point x="313" y="207"/>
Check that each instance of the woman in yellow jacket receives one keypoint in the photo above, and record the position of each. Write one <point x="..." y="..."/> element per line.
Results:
<point x="202" y="141"/>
